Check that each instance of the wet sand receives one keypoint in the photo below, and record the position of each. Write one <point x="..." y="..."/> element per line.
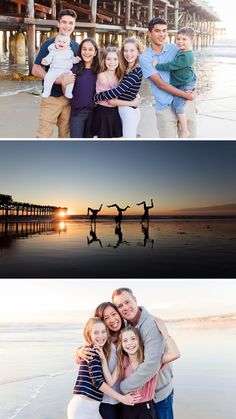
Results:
<point x="167" y="249"/>
<point x="19" y="118"/>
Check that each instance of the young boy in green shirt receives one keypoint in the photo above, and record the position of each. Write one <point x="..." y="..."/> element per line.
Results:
<point x="182" y="73"/>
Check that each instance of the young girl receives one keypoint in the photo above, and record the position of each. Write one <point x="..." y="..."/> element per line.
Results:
<point x="107" y="123"/>
<point x="90" y="384"/>
<point x="128" y="89"/>
<point x="82" y="104"/>
<point x="130" y="353"/>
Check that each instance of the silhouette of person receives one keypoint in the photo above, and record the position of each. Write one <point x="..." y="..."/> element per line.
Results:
<point x="146" y="239"/>
<point x="145" y="215"/>
<point x="94" y="213"/>
<point x="120" y="238"/>
<point x="118" y="217"/>
<point x="94" y="238"/>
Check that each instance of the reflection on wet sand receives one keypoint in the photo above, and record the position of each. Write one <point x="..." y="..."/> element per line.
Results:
<point x="157" y="249"/>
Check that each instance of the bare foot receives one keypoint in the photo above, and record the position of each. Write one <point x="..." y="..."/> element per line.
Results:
<point x="184" y="134"/>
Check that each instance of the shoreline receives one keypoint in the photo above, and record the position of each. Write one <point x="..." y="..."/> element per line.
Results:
<point x="23" y="109"/>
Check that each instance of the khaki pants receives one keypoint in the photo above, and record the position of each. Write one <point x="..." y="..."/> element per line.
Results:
<point x="54" y="111"/>
<point x="167" y="121"/>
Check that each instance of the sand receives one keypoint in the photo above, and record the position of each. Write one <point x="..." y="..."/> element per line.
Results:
<point x="19" y="118"/>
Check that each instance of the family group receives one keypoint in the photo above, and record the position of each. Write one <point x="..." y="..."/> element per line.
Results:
<point x="92" y="93"/>
<point x="125" y="369"/>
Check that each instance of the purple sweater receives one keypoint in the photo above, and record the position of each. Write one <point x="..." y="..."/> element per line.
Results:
<point x="84" y="90"/>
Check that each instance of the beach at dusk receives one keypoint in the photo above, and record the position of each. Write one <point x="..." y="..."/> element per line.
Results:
<point x="188" y="228"/>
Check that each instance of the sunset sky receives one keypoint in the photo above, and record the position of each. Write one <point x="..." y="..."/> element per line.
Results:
<point x="178" y="175"/>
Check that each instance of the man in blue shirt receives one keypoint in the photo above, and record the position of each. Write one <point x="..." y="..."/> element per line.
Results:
<point x="55" y="109"/>
<point x="163" y="92"/>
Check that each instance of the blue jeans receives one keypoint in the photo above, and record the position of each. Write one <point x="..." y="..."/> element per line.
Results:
<point x="178" y="102"/>
<point x="164" y="409"/>
<point x="78" y="123"/>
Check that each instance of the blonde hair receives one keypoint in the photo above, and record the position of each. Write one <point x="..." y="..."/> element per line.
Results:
<point x="103" y="55"/>
<point x="87" y="334"/>
<point x="121" y="354"/>
<point x="137" y="43"/>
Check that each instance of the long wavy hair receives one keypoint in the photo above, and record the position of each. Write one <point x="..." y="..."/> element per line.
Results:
<point x="87" y="334"/>
<point x="103" y="55"/>
<point x="121" y="354"/>
<point x="95" y="62"/>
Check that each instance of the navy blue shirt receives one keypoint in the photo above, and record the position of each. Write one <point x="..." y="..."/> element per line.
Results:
<point x="56" y="88"/>
<point x="84" y="90"/>
<point x="90" y="378"/>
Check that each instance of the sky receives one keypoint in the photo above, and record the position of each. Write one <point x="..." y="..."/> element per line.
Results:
<point x="225" y="11"/>
<point x="176" y="175"/>
<point x="75" y="300"/>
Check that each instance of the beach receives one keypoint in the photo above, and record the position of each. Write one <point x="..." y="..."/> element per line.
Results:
<point x="39" y="372"/>
<point x="167" y="248"/>
<point x="216" y="101"/>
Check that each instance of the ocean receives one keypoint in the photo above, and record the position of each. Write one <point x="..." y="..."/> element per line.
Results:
<point x="38" y="370"/>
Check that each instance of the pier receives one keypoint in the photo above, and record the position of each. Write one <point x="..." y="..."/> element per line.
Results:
<point x="25" y="24"/>
<point x="13" y="209"/>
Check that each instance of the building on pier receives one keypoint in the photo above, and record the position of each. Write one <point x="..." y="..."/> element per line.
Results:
<point x="107" y="21"/>
<point x="10" y="208"/>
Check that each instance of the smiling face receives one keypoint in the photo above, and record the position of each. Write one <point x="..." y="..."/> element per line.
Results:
<point x="130" y="342"/>
<point x="130" y="53"/>
<point x="184" y="42"/>
<point x="126" y="305"/>
<point x="66" y="25"/>
<point x="88" y="52"/>
<point x="158" y="35"/>
<point x="112" y="61"/>
<point x="112" y="319"/>
<point x="98" y="334"/>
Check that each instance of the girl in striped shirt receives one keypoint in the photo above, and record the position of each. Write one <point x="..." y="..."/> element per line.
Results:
<point x="90" y="384"/>
<point x="128" y="89"/>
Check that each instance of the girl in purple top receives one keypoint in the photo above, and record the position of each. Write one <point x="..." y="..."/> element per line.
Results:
<point x="82" y="103"/>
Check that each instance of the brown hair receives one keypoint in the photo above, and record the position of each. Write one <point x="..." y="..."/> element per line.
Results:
<point x="103" y="55"/>
<point x="87" y="334"/>
<point x="186" y="30"/>
<point x="121" y="354"/>
<point x="67" y="12"/>
<point x="99" y="312"/>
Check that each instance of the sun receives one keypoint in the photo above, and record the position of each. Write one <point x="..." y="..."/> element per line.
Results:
<point x="62" y="214"/>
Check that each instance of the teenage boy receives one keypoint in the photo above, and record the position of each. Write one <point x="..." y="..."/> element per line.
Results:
<point x="55" y="109"/>
<point x="163" y="92"/>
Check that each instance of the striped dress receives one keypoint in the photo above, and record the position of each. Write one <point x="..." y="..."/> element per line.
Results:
<point x="90" y="378"/>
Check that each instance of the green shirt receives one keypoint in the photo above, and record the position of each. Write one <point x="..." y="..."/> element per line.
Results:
<point x="181" y="68"/>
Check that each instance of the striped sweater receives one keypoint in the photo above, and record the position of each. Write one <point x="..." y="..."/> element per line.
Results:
<point x="90" y="378"/>
<point x="126" y="90"/>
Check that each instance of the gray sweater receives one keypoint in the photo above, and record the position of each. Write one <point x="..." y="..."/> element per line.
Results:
<point x="154" y="347"/>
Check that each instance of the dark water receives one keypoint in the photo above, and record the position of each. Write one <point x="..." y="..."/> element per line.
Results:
<point x="165" y="249"/>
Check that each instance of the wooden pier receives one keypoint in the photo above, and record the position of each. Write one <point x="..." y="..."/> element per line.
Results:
<point x="10" y="208"/>
<point x="109" y="22"/>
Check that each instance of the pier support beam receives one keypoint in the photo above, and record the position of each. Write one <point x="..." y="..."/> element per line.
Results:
<point x="31" y="34"/>
<point x="176" y="15"/>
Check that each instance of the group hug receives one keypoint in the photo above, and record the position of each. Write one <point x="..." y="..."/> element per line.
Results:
<point x="125" y="369"/>
<point x="94" y="93"/>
